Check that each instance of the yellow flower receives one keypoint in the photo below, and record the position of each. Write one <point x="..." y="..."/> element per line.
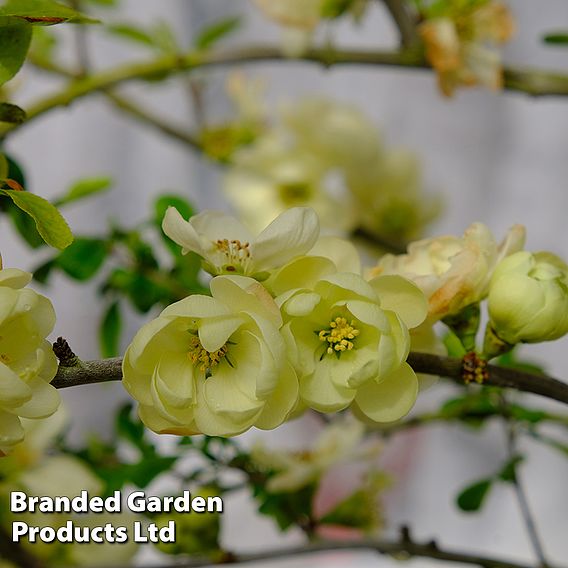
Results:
<point x="27" y="362"/>
<point x="453" y="272"/>
<point x="528" y="298"/>
<point x="227" y="247"/>
<point x="390" y="198"/>
<point x="460" y="44"/>
<point x="276" y="173"/>
<point x="213" y="365"/>
<point x="349" y="340"/>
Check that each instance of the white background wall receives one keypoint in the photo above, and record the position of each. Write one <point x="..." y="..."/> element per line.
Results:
<point x="499" y="159"/>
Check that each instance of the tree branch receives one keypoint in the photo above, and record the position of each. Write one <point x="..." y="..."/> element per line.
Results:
<point x="398" y="10"/>
<point x="91" y="372"/>
<point x="156" y="122"/>
<point x="530" y="81"/>
<point x="403" y="548"/>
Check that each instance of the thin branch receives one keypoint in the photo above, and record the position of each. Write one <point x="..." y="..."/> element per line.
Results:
<point x="156" y="122"/>
<point x="530" y="81"/>
<point x="528" y="517"/>
<point x="401" y="548"/>
<point x="90" y="372"/>
<point x="404" y="21"/>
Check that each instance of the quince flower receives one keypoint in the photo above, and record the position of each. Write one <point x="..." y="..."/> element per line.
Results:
<point x="390" y="198"/>
<point x="213" y="365"/>
<point x="453" y="272"/>
<point x="459" y="43"/>
<point x="528" y="298"/>
<point x="349" y="340"/>
<point x="227" y="247"/>
<point x="338" y="133"/>
<point x="27" y="361"/>
<point x="339" y="442"/>
<point x="276" y="173"/>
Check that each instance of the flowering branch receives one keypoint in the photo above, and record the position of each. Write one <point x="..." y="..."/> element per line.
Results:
<point x="530" y="81"/>
<point x="106" y="370"/>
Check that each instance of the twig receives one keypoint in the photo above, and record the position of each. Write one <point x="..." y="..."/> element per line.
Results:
<point x="400" y="548"/>
<point x="530" y="81"/>
<point x="90" y="372"/>
<point x="152" y="120"/>
<point x="398" y="10"/>
<point x="528" y="517"/>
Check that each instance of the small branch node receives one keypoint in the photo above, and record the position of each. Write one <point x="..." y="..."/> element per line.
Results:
<point x="65" y="354"/>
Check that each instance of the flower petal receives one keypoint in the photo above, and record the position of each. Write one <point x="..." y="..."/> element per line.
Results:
<point x="403" y="297"/>
<point x="291" y="234"/>
<point x="390" y="399"/>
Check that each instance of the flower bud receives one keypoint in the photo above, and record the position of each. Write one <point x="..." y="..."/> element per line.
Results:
<point x="528" y="298"/>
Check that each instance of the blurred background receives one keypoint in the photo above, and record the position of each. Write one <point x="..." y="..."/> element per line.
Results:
<point x="500" y="159"/>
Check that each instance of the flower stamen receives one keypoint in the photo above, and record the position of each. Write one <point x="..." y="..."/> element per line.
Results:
<point x="339" y="336"/>
<point x="199" y="356"/>
<point x="236" y="253"/>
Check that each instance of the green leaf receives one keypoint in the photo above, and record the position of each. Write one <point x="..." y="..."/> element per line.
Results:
<point x="50" y="224"/>
<point x="556" y="38"/>
<point x="509" y="472"/>
<point x="454" y="345"/>
<point x="11" y="113"/>
<point x="132" y="33"/>
<point x="84" y="188"/>
<point x="471" y="498"/>
<point x="26" y="227"/>
<point x="45" y="12"/>
<point x="109" y="333"/>
<point x="4" y="167"/>
<point x="83" y="258"/>
<point x="210" y="35"/>
<point x="15" y="39"/>
<point x="43" y="272"/>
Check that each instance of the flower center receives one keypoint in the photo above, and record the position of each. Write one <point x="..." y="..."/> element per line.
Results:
<point x="199" y="356"/>
<point x="339" y="336"/>
<point x="236" y="253"/>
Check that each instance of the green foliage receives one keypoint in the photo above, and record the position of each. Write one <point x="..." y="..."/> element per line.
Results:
<point x="50" y="224"/>
<point x="11" y="113"/>
<point x="107" y="463"/>
<point x="557" y="38"/>
<point x="217" y="31"/>
<point x="109" y="332"/>
<point x="15" y="39"/>
<point x="83" y="188"/>
<point x="472" y="497"/>
<point x="508" y="473"/>
<point x="46" y="12"/>
<point x="82" y="260"/>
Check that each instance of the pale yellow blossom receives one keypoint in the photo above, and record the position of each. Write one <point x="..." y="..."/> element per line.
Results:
<point x="27" y="362"/>
<point x="213" y="365"/>
<point x="453" y="272"/>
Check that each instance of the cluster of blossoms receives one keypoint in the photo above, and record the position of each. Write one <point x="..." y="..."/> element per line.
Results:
<point x="290" y="324"/>
<point x="461" y="39"/>
<point x="329" y="156"/>
<point x="27" y="362"/>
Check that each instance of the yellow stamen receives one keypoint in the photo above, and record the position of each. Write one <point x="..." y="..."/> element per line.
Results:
<point x="236" y="253"/>
<point x="339" y="336"/>
<point x="198" y="355"/>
